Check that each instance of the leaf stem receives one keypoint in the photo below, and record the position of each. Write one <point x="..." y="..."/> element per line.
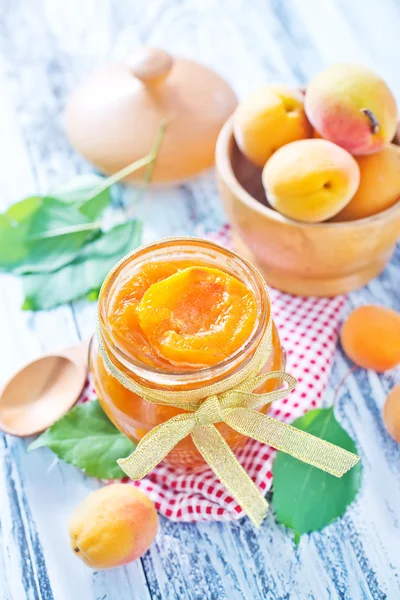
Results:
<point x="150" y="168"/>
<point x="138" y="164"/>
<point x="66" y="231"/>
<point x="148" y="161"/>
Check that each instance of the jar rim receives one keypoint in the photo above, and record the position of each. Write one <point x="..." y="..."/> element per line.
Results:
<point x="162" y="250"/>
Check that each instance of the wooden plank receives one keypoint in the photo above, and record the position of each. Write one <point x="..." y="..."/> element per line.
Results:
<point x="33" y="530"/>
<point x="51" y="490"/>
<point x="377" y="32"/>
<point x="291" y="37"/>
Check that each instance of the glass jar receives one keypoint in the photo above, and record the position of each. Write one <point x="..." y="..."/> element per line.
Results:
<point x="134" y="416"/>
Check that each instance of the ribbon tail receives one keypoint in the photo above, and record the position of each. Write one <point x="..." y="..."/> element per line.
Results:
<point x="223" y="462"/>
<point x="155" y="446"/>
<point x="300" y="444"/>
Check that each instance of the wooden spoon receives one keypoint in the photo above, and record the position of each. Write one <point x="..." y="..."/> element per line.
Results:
<point x="43" y="391"/>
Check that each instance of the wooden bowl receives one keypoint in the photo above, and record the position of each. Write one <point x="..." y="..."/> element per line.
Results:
<point x="304" y="259"/>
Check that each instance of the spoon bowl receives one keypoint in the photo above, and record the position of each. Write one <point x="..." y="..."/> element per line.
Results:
<point x="43" y="391"/>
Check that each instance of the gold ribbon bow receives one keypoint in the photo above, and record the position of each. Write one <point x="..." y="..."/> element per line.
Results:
<point x="231" y="401"/>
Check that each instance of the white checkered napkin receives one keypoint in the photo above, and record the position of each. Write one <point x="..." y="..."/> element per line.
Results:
<point x="308" y="329"/>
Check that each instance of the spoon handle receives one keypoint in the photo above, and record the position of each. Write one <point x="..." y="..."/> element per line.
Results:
<point x="79" y="353"/>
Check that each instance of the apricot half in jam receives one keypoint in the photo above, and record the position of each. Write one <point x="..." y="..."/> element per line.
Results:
<point x="197" y="316"/>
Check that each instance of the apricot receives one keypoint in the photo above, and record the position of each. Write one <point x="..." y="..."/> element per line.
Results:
<point x="379" y="184"/>
<point x="269" y="118"/>
<point x="113" y="526"/>
<point x="310" y="180"/>
<point x="353" y="107"/>
<point x="198" y="316"/>
<point x="391" y="413"/>
<point x="370" y="337"/>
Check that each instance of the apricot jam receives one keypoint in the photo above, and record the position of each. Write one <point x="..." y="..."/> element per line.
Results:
<point x="178" y="315"/>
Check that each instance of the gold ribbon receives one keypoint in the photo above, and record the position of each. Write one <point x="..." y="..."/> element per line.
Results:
<point x="231" y="401"/>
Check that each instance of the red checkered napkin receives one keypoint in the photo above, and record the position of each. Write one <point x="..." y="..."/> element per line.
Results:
<point x="308" y="329"/>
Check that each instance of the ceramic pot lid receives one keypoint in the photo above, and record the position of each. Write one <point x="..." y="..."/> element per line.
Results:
<point x="113" y="117"/>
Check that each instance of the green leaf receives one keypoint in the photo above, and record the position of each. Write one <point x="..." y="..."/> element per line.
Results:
<point x="86" y="438"/>
<point x="93" y="295"/>
<point x="41" y="234"/>
<point x="86" y="273"/>
<point x="305" y="498"/>
<point x="22" y="211"/>
<point x="49" y="248"/>
<point x="14" y="225"/>
<point x="87" y="192"/>
<point x="27" y="230"/>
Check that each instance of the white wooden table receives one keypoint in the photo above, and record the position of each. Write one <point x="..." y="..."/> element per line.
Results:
<point x="46" y="46"/>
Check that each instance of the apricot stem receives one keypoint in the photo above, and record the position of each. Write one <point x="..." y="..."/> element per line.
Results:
<point x="373" y="121"/>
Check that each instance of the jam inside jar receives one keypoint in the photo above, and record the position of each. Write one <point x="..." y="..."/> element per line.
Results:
<point x="177" y="315"/>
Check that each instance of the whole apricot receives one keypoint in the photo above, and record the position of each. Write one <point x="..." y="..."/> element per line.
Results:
<point x="370" y="337"/>
<point x="113" y="526"/>
<point x="269" y="118"/>
<point x="353" y="107"/>
<point x="391" y="413"/>
<point x="310" y="180"/>
<point x="379" y="184"/>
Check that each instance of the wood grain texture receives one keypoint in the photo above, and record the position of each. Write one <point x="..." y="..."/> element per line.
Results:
<point x="46" y="47"/>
